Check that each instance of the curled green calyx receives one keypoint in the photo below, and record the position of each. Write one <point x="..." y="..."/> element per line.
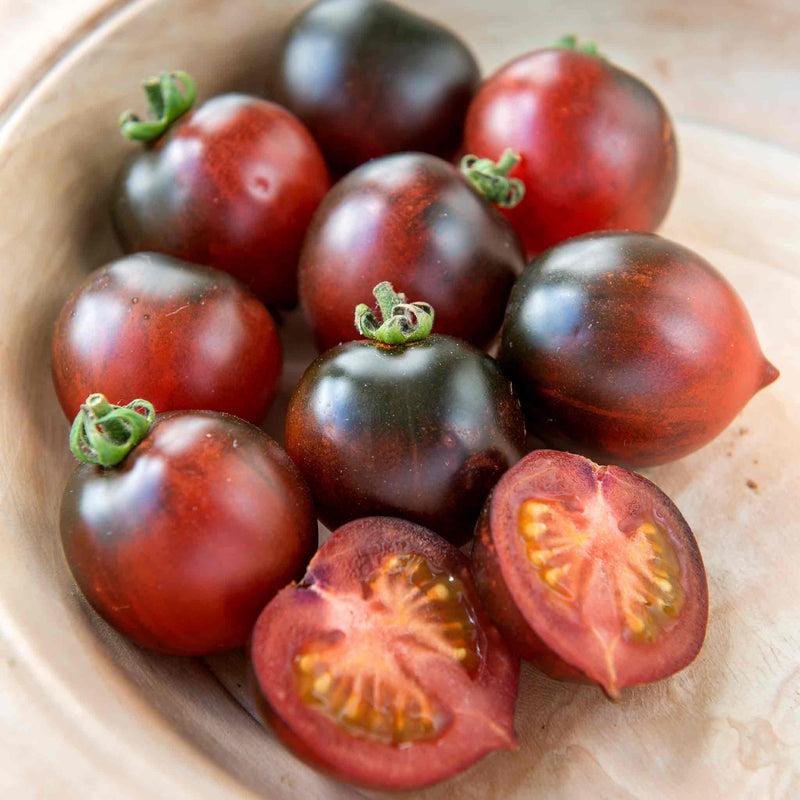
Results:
<point x="570" y="42"/>
<point x="166" y="102"/>
<point x="490" y="179"/>
<point x="104" y="434"/>
<point x="401" y="322"/>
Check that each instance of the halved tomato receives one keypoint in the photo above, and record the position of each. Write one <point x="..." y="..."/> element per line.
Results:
<point x="591" y="573"/>
<point x="380" y="667"/>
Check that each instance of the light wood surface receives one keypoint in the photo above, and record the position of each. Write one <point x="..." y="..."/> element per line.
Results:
<point x="85" y="714"/>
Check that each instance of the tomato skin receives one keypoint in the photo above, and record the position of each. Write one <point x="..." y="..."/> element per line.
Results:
<point x="307" y="611"/>
<point x="412" y="220"/>
<point x="369" y="78"/>
<point x="232" y="185"/>
<point x="179" y="335"/>
<point x="629" y="348"/>
<point x="598" y="147"/>
<point x="420" y="431"/>
<point x="549" y="638"/>
<point x="181" y="545"/>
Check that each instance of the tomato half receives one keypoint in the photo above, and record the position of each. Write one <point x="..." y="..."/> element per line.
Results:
<point x="380" y="667"/>
<point x="590" y="573"/>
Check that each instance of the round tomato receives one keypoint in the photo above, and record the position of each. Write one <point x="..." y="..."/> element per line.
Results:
<point x="591" y="573"/>
<point x="380" y="667"/>
<point x="232" y="185"/>
<point x="629" y="348"/>
<point x="412" y="220"/>
<point x="181" y="335"/>
<point x="420" y="430"/>
<point x="598" y="148"/>
<point x="183" y="543"/>
<point x="370" y="78"/>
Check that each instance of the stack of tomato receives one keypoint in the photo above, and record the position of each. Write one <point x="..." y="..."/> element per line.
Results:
<point x="394" y="661"/>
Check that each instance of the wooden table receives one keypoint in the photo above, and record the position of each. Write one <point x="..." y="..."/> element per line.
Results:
<point x="731" y="63"/>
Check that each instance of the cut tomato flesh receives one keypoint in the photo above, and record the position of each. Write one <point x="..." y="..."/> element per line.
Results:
<point x="615" y="581"/>
<point x="358" y="679"/>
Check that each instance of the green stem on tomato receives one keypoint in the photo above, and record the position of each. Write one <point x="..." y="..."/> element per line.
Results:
<point x="103" y="434"/>
<point x="570" y="42"/>
<point x="166" y="103"/>
<point x="490" y="179"/>
<point x="401" y="322"/>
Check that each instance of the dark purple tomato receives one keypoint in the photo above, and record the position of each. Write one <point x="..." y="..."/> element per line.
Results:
<point x="181" y="335"/>
<point x="591" y="573"/>
<point x="181" y="545"/>
<point x="410" y="219"/>
<point x="380" y="667"/>
<point x="369" y="78"/>
<point x="233" y="185"/>
<point x="629" y="348"/>
<point x="598" y="148"/>
<point x="420" y="431"/>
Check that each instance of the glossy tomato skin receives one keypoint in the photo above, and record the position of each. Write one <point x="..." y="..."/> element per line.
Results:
<point x="598" y="147"/>
<point x="369" y="78"/>
<point x="181" y="545"/>
<point x="232" y="185"/>
<point x="629" y="348"/>
<point x="476" y="701"/>
<point x="409" y="219"/>
<point x="179" y="335"/>
<point x="419" y="431"/>
<point x="566" y="635"/>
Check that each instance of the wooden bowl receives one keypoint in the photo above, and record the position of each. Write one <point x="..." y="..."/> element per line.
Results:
<point x="88" y="714"/>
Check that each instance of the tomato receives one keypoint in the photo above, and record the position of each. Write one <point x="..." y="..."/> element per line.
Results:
<point x="182" y="335"/>
<point x="412" y="220"/>
<point x="369" y="78"/>
<point x="232" y="185"/>
<point x="591" y="573"/>
<point x="598" y="148"/>
<point x="418" y="430"/>
<point x="629" y="348"/>
<point x="380" y="667"/>
<point x="182" y="544"/>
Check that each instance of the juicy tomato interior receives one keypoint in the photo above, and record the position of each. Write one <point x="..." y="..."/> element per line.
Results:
<point x="617" y="581"/>
<point x="360" y="679"/>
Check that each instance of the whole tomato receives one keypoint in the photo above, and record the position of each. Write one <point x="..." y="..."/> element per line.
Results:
<point x="182" y="335"/>
<point x="405" y="424"/>
<point x="233" y="185"/>
<point x="629" y="348"/>
<point x="181" y="543"/>
<point x="370" y="78"/>
<point x="410" y="219"/>
<point x="597" y="146"/>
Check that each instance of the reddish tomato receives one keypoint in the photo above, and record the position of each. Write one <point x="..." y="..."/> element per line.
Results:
<point x="380" y="667"/>
<point x="591" y="573"/>
<point x="232" y="185"/>
<point x="371" y="78"/>
<point x="598" y="148"/>
<point x="181" y="335"/>
<point x="629" y="348"/>
<point x="412" y="220"/>
<point x="181" y="545"/>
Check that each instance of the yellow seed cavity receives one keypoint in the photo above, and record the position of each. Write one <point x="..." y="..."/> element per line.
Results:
<point x="662" y="584"/>
<point x="553" y="576"/>
<point x="534" y="509"/>
<point x="306" y="662"/>
<point x="323" y="683"/>
<point x="460" y="653"/>
<point x="539" y="557"/>
<point x="533" y="530"/>
<point x="438" y="592"/>
<point x="636" y="624"/>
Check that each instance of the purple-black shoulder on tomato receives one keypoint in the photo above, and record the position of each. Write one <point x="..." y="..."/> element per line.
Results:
<point x="406" y="424"/>
<point x="370" y="78"/>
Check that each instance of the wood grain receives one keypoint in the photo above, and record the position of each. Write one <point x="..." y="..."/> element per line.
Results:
<point x="85" y="714"/>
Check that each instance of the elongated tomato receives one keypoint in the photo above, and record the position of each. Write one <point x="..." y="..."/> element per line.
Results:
<point x="380" y="666"/>
<point x="590" y="572"/>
